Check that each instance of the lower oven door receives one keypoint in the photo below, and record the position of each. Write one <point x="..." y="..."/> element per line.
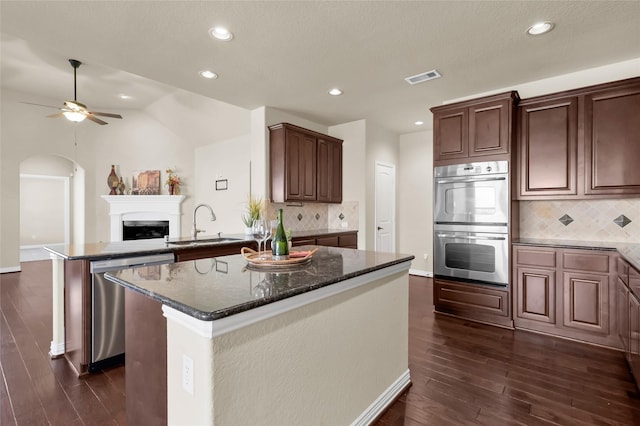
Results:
<point x="473" y="256"/>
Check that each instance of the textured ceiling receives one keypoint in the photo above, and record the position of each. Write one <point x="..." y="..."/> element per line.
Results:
<point x="287" y="55"/>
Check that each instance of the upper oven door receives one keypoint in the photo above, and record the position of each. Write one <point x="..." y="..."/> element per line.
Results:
<point x="472" y="199"/>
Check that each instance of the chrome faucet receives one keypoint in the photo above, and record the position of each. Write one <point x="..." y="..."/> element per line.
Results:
<point x="194" y="229"/>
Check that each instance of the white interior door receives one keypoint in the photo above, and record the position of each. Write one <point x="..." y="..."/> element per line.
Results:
<point x="385" y="215"/>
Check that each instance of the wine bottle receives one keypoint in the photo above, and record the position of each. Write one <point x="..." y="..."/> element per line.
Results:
<point x="279" y="244"/>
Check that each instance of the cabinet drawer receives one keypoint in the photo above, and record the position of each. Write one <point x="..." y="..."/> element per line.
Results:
<point x="328" y="241"/>
<point x="536" y="257"/>
<point x="350" y="240"/>
<point x="581" y="261"/>
<point x="303" y="242"/>
<point x="460" y="298"/>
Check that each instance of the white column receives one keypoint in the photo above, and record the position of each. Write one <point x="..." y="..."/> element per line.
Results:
<point x="57" y="343"/>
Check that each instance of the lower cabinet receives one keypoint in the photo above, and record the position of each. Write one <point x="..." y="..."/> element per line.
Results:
<point x="347" y="239"/>
<point x="566" y="292"/>
<point x="478" y="302"/>
<point x="628" y="298"/>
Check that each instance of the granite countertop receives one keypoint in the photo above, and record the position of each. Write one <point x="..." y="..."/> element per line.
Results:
<point x="214" y="288"/>
<point x="630" y="252"/>
<point x="120" y="249"/>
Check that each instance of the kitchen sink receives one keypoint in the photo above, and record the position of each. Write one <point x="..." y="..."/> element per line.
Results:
<point x="216" y="240"/>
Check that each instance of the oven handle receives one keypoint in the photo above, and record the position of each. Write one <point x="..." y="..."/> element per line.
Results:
<point x="473" y="180"/>
<point x="469" y="237"/>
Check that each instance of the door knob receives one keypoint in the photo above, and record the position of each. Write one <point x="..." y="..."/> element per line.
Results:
<point x="379" y="228"/>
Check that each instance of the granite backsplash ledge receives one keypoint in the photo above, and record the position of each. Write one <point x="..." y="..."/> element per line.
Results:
<point x="616" y="220"/>
<point x="310" y="216"/>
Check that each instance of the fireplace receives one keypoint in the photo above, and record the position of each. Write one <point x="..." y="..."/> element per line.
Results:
<point x="144" y="216"/>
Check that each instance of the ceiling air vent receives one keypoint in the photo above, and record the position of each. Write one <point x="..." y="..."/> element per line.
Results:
<point x="419" y="78"/>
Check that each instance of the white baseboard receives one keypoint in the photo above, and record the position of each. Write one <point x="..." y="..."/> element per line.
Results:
<point x="10" y="269"/>
<point x="56" y="349"/>
<point x="421" y="273"/>
<point x="383" y="401"/>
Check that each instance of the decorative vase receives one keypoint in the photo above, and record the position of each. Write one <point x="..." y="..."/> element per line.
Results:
<point x="121" y="186"/>
<point x="172" y="189"/>
<point x="112" y="181"/>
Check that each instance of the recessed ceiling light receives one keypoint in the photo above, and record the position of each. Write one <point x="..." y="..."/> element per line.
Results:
<point x="335" y="92"/>
<point x="123" y="96"/>
<point x="220" y="33"/>
<point x="540" y="28"/>
<point x="208" y="74"/>
<point x="419" y="123"/>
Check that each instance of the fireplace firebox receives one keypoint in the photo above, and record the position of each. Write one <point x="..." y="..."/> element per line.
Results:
<point x="144" y="229"/>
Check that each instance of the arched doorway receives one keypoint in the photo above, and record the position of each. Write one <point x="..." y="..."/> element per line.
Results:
<point x="50" y="188"/>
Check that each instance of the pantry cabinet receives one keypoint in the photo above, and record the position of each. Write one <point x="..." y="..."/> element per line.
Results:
<point x="305" y="166"/>
<point x="478" y="128"/>
<point x="581" y="143"/>
<point x="566" y="292"/>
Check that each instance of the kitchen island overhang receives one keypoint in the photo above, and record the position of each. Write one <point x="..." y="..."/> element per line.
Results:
<point x="328" y="343"/>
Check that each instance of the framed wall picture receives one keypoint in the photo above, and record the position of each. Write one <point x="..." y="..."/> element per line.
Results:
<point x="145" y="182"/>
<point x="221" y="185"/>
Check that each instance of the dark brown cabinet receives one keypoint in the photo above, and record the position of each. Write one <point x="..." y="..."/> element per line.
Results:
<point x="612" y="140"/>
<point x="305" y="166"/>
<point x="548" y="146"/>
<point x="347" y="239"/>
<point x="477" y="128"/>
<point x="566" y="292"/>
<point x="329" y="166"/>
<point x="628" y="292"/>
<point x="581" y="143"/>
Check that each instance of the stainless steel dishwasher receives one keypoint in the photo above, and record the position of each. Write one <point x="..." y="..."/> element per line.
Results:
<point x="107" y="306"/>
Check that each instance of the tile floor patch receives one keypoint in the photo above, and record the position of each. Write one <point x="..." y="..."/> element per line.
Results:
<point x="622" y="221"/>
<point x="566" y="220"/>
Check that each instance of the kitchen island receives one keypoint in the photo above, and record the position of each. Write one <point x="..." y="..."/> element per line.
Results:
<point x="325" y="342"/>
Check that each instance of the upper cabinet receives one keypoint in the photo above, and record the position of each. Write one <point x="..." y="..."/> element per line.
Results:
<point x="305" y="166"/>
<point x="580" y="144"/>
<point x="612" y="140"/>
<point x="548" y="146"/>
<point x="478" y="128"/>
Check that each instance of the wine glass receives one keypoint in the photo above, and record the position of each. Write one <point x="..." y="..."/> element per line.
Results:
<point x="259" y="229"/>
<point x="265" y="237"/>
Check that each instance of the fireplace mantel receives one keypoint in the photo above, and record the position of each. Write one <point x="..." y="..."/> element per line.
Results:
<point x="144" y="207"/>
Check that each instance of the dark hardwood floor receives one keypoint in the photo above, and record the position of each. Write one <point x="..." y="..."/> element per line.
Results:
<point x="462" y="372"/>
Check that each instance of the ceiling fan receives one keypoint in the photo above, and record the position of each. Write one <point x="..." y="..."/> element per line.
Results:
<point x="76" y="111"/>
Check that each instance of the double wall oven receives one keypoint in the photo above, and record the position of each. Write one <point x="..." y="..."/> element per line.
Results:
<point x="471" y="222"/>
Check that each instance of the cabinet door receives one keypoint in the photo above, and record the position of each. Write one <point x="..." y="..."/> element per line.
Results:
<point x="300" y="164"/>
<point x="548" y="148"/>
<point x="634" y="336"/>
<point x="535" y="295"/>
<point x="328" y="241"/>
<point x="612" y="147"/>
<point x="585" y="302"/>
<point x="622" y="303"/>
<point x="489" y="128"/>
<point x="329" y="171"/>
<point x="451" y="134"/>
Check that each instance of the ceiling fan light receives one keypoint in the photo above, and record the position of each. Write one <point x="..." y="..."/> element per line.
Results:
<point x="74" y="116"/>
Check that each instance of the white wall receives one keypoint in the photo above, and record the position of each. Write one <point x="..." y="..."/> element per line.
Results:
<point x="353" y="168"/>
<point x="415" y="199"/>
<point x="222" y="160"/>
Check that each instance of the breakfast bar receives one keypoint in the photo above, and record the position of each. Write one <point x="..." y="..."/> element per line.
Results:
<point x="324" y="341"/>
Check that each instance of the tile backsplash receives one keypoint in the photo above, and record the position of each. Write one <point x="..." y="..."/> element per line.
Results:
<point x="310" y="216"/>
<point x="583" y="220"/>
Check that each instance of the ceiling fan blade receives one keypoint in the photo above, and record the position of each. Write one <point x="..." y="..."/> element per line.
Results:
<point x="31" y="103"/>
<point x="95" y="119"/>
<point x="56" y="115"/>
<point x="106" y="114"/>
